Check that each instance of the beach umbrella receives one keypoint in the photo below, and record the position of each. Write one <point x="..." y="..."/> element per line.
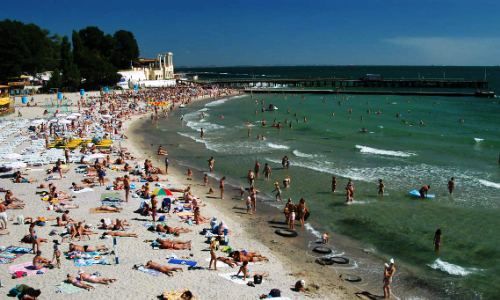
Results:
<point x="13" y="156"/>
<point x="53" y="121"/>
<point x="77" y="114"/>
<point x="94" y="156"/>
<point x="61" y="115"/>
<point x="37" y="122"/>
<point x="162" y="192"/>
<point x="106" y="116"/>
<point x="71" y="117"/>
<point x="64" y="121"/>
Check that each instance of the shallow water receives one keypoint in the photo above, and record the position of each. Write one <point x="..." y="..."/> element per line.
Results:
<point x="400" y="151"/>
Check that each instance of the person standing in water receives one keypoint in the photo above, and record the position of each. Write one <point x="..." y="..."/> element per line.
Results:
<point x="381" y="187"/>
<point x="334" y="184"/>
<point x="437" y="241"/>
<point x="256" y="169"/>
<point x="389" y="271"/>
<point x="202" y="133"/>
<point x="349" y="191"/>
<point x="267" y="171"/>
<point x="211" y="164"/>
<point x="278" y="191"/>
<point x="451" y="185"/>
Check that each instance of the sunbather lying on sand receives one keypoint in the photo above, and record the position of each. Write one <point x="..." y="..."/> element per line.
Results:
<point x="174" y="245"/>
<point x="171" y="230"/>
<point x="242" y="256"/>
<point x="162" y="268"/>
<point x="94" y="279"/>
<point x="116" y="224"/>
<point x="78" y="283"/>
<point x="86" y="248"/>
<point x="227" y="260"/>
<point x="119" y="233"/>
<point x="109" y="208"/>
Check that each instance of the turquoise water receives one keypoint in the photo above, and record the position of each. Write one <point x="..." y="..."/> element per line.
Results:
<point x="459" y="137"/>
<point x="403" y="153"/>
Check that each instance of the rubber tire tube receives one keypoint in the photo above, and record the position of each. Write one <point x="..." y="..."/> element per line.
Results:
<point x="322" y="250"/>
<point x="351" y="278"/>
<point x="324" y="261"/>
<point x="286" y="233"/>
<point x="340" y="260"/>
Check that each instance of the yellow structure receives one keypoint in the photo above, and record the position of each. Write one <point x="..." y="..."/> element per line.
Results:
<point x="6" y="105"/>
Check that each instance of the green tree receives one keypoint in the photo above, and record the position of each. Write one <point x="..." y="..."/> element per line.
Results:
<point x="26" y="48"/>
<point x="92" y="50"/>
<point x="126" y="49"/>
<point x="71" y="73"/>
<point x="56" y="80"/>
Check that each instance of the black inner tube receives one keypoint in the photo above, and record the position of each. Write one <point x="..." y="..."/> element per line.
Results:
<point x="340" y="260"/>
<point x="286" y="232"/>
<point x="324" y="261"/>
<point x="351" y="278"/>
<point x="322" y="250"/>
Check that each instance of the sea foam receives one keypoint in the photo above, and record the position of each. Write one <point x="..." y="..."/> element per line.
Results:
<point x="277" y="146"/>
<point x="216" y="102"/>
<point x="369" y="150"/>
<point x="489" y="183"/>
<point x="452" y="269"/>
<point x="301" y="154"/>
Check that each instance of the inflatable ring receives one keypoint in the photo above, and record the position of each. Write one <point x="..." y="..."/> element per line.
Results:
<point x="324" y="261"/>
<point x="322" y="250"/>
<point x="340" y="260"/>
<point x="351" y="278"/>
<point x="286" y="232"/>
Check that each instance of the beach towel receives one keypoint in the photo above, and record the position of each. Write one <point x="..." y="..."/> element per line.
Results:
<point x="100" y="211"/>
<point x="11" y="253"/>
<point x="25" y="267"/>
<point x="84" y="190"/>
<point x="82" y="262"/>
<point x="18" y="250"/>
<point x="236" y="279"/>
<point x="68" y="288"/>
<point x="185" y="262"/>
<point x="148" y="271"/>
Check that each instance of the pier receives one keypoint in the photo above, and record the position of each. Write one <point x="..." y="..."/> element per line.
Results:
<point x="368" y="92"/>
<point x="412" y="86"/>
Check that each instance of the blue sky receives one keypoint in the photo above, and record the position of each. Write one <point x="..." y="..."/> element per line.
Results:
<point x="287" y="32"/>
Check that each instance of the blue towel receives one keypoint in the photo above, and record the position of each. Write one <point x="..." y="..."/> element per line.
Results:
<point x="184" y="262"/>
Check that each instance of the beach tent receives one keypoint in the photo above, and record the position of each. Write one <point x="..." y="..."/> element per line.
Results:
<point x="162" y="192"/>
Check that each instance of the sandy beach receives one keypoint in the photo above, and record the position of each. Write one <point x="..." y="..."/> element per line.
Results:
<point x="134" y="284"/>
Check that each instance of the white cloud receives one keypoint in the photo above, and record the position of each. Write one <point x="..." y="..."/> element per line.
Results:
<point x="450" y="50"/>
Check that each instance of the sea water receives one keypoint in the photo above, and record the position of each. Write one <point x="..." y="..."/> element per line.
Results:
<point x="408" y="141"/>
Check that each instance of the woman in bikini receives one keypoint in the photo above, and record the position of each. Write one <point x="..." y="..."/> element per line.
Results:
<point x="162" y="268"/>
<point x="94" y="279"/>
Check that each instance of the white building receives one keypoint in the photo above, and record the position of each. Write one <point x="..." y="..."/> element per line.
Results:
<point x="147" y="72"/>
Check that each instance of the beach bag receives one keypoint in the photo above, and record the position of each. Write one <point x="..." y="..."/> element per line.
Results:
<point x="275" y="293"/>
<point x="257" y="279"/>
<point x="27" y="239"/>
